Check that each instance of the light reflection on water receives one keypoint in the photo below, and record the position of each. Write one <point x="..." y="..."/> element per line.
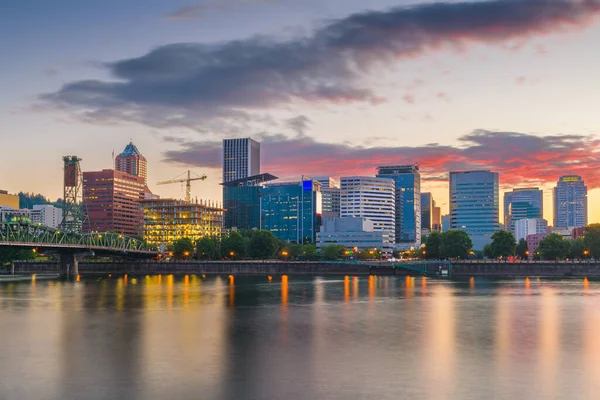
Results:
<point x="189" y="337"/>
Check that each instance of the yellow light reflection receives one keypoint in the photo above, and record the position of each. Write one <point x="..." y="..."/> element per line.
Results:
<point x="346" y="288"/>
<point x="284" y="290"/>
<point x="471" y="283"/>
<point x="78" y="278"/>
<point x="170" y="281"/>
<point x="549" y="342"/>
<point x="355" y="287"/>
<point x="125" y="279"/>
<point x="231" y="291"/>
<point x="270" y="278"/>
<point x="371" y="287"/>
<point x="586" y="285"/>
<point x="120" y="291"/>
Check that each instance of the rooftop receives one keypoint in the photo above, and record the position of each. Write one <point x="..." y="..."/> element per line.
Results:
<point x="130" y="150"/>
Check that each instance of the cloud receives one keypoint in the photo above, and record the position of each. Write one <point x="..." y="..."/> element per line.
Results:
<point x="193" y="84"/>
<point x="521" y="159"/>
<point x="197" y="11"/>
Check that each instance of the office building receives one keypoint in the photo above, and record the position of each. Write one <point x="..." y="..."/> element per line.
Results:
<point x="354" y="232"/>
<point x="46" y="215"/>
<point x="530" y="226"/>
<point x="241" y="200"/>
<point x="407" y="179"/>
<point x="167" y="220"/>
<point x="371" y="198"/>
<point x="8" y="214"/>
<point x="111" y="202"/>
<point x="9" y="200"/>
<point x="327" y="181"/>
<point x="426" y="211"/>
<point x="533" y="242"/>
<point x="132" y="162"/>
<point x="525" y="203"/>
<point x="445" y="223"/>
<point x="291" y="210"/>
<point x="330" y="194"/>
<point x="570" y="202"/>
<point x="241" y="159"/>
<point x="474" y="205"/>
<point x="436" y="218"/>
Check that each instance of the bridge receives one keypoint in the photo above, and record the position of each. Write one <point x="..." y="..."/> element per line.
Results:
<point x="71" y="247"/>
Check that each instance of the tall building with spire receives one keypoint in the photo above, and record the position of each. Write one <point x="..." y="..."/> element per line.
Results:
<point x="132" y="162"/>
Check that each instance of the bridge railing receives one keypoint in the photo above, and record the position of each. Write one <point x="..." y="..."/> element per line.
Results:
<point x="24" y="232"/>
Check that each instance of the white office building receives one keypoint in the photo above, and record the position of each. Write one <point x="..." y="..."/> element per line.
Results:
<point x="372" y="198"/>
<point x="352" y="232"/>
<point x="46" y="215"/>
<point x="530" y="226"/>
<point x="241" y="158"/>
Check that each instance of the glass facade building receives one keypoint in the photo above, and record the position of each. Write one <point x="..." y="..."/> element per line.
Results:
<point x="407" y="180"/>
<point x="570" y="202"/>
<point x="291" y="210"/>
<point x="241" y="200"/>
<point x="520" y="204"/>
<point x="474" y="205"/>
<point x="427" y="204"/>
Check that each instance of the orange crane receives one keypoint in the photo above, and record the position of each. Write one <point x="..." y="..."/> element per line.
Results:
<point x="188" y="183"/>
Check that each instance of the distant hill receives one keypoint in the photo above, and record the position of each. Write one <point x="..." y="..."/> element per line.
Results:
<point x="28" y="200"/>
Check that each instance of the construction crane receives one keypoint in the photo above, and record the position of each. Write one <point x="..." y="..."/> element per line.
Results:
<point x="188" y="183"/>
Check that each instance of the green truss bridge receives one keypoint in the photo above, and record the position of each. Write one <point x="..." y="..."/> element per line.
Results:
<point x="71" y="247"/>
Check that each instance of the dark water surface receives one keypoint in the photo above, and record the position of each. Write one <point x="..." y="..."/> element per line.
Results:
<point x="299" y="338"/>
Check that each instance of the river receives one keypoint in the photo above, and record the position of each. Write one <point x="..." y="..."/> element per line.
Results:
<point x="297" y="338"/>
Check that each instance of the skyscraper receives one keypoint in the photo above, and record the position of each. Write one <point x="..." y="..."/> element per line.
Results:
<point x="436" y="215"/>
<point x="570" y="202"/>
<point x="241" y="158"/>
<point x="291" y="210"/>
<point x="474" y="205"/>
<point x="520" y="204"/>
<point x="330" y="193"/>
<point x="407" y="180"/>
<point x="112" y="202"/>
<point x="372" y="198"/>
<point x="426" y="211"/>
<point x="132" y="162"/>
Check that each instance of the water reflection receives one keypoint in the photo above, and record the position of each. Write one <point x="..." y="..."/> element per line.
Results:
<point x="186" y="337"/>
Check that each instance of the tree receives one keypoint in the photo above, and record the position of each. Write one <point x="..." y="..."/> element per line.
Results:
<point x="233" y="246"/>
<point x="333" y="252"/>
<point x="592" y="240"/>
<point x="183" y="248"/>
<point x="207" y="248"/>
<point x="554" y="247"/>
<point x="503" y="244"/>
<point x="433" y="243"/>
<point x="309" y="252"/>
<point x="487" y="251"/>
<point x="263" y="244"/>
<point x="522" y="248"/>
<point x="455" y="244"/>
<point x="8" y="255"/>
<point x="577" y="248"/>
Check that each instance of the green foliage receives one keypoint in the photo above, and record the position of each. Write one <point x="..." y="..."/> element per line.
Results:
<point x="8" y="255"/>
<point x="487" y="251"/>
<point x="367" y="254"/>
<point x="263" y="245"/>
<point x="503" y="244"/>
<point x="234" y="246"/>
<point x="577" y="248"/>
<point x="522" y="248"/>
<point x="592" y="240"/>
<point x="554" y="247"/>
<point x="28" y="200"/>
<point x="455" y="244"/>
<point x="207" y="248"/>
<point x="433" y="244"/>
<point x="183" y="248"/>
<point x="333" y="252"/>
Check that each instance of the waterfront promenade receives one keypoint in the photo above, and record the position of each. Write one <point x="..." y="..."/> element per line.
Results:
<point x="552" y="269"/>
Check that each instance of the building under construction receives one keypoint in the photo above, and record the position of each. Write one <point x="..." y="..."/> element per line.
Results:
<point x="167" y="220"/>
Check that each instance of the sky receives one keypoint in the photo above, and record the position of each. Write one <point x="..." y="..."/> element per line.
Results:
<point x="329" y="87"/>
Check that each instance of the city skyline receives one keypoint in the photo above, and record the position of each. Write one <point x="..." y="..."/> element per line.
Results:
<point x="515" y="100"/>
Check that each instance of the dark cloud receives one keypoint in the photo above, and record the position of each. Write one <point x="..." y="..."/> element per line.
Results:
<point x="300" y="124"/>
<point x="519" y="158"/>
<point x="197" y="11"/>
<point x="191" y="84"/>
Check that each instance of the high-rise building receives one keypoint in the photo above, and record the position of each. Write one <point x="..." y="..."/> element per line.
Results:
<point x="371" y="198"/>
<point x="111" y="202"/>
<point x="474" y="205"/>
<point x="570" y="202"/>
<point x="9" y="200"/>
<point x="132" y="162"/>
<point x="407" y="180"/>
<point x="436" y="218"/>
<point x="241" y="158"/>
<point x="330" y="193"/>
<point x="291" y="210"/>
<point x="352" y="232"/>
<point x="445" y="223"/>
<point x="241" y="200"/>
<point x="46" y="215"/>
<point x="426" y="211"/>
<point x="167" y="220"/>
<point x="530" y="226"/>
<point x="522" y="204"/>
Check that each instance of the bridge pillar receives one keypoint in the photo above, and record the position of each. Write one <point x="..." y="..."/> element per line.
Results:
<point x="69" y="265"/>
